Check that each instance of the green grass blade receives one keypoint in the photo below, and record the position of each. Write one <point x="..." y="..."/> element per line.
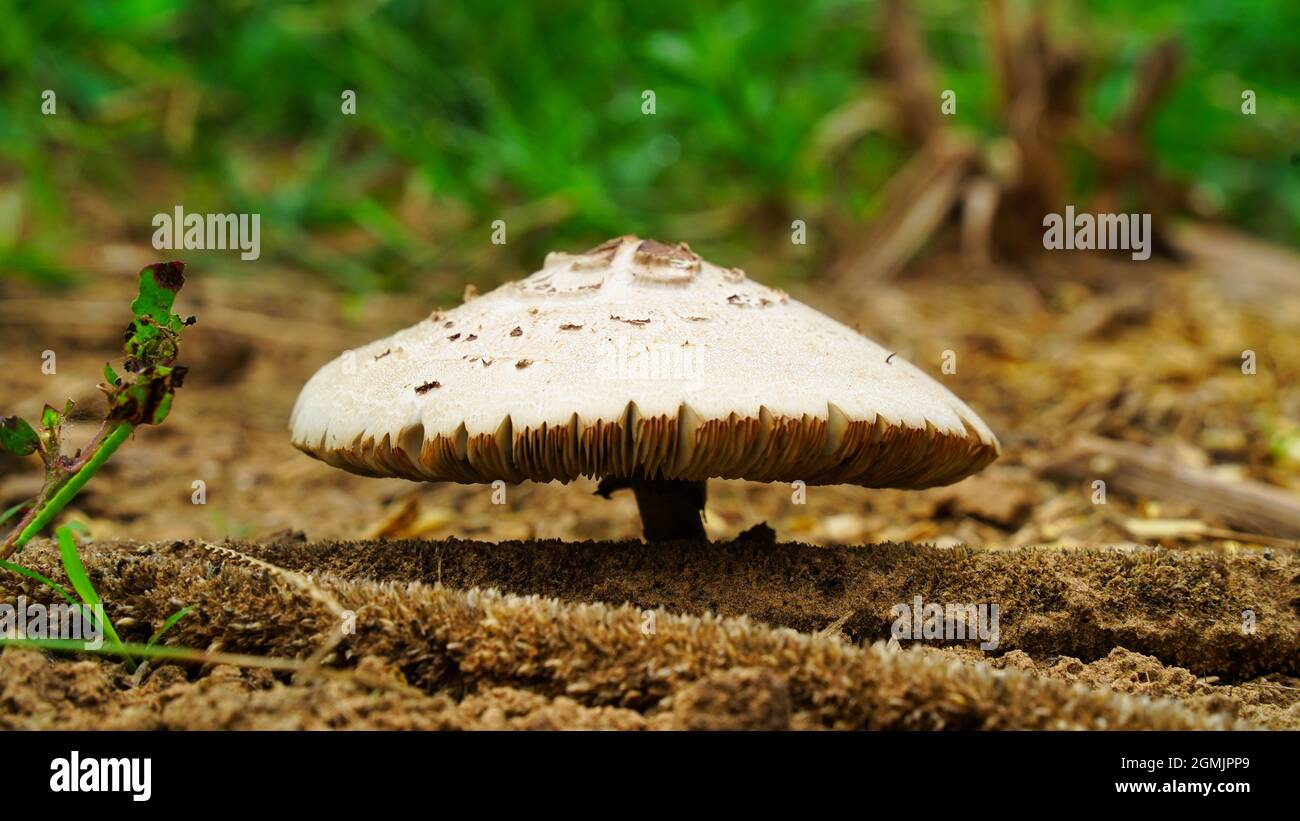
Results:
<point x="169" y="624"/>
<point x="81" y="583"/>
<point x="129" y="651"/>
<point x="32" y="574"/>
<point x="13" y="511"/>
<point x="74" y="568"/>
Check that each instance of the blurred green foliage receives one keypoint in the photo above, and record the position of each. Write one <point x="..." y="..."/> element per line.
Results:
<point x="531" y="112"/>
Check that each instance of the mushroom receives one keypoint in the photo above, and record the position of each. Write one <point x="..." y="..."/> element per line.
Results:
<point x="642" y="365"/>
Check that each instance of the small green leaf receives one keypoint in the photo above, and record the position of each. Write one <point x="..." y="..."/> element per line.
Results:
<point x="50" y="418"/>
<point x="164" y="407"/>
<point x="147" y="400"/>
<point x="154" y="335"/>
<point x="18" y="437"/>
<point x="110" y="375"/>
<point x="159" y="284"/>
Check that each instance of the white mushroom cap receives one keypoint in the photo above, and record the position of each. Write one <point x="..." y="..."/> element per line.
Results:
<point x="637" y="359"/>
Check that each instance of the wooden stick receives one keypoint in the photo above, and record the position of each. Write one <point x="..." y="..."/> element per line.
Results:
<point x="907" y="65"/>
<point x="979" y="209"/>
<point x="1155" y="75"/>
<point x="1000" y="40"/>
<point x="917" y="202"/>
<point x="1123" y="156"/>
<point x="1137" y="470"/>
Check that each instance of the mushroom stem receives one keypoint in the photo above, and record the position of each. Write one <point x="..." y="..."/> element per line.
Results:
<point x="670" y="508"/>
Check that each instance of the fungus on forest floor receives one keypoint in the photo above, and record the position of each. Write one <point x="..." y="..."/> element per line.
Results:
<point x="642" y="365"/>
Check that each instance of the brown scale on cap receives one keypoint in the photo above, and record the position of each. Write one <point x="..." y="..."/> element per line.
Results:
<point x="609" y="247"/>
<point x="656" y="261"/>
<point x="654" y="251"/>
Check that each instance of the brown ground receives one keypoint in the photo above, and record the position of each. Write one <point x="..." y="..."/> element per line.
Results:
<point x="1147" y="354"/>
<point x="425" y="655"/>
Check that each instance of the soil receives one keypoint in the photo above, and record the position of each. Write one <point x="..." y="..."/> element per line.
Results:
<point x="533" y="614"/>
<point x="430" y="655"/>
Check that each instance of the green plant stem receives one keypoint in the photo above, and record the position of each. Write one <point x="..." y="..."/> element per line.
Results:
<point x="158" y="651"/>
<point x="65" y="494"/>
